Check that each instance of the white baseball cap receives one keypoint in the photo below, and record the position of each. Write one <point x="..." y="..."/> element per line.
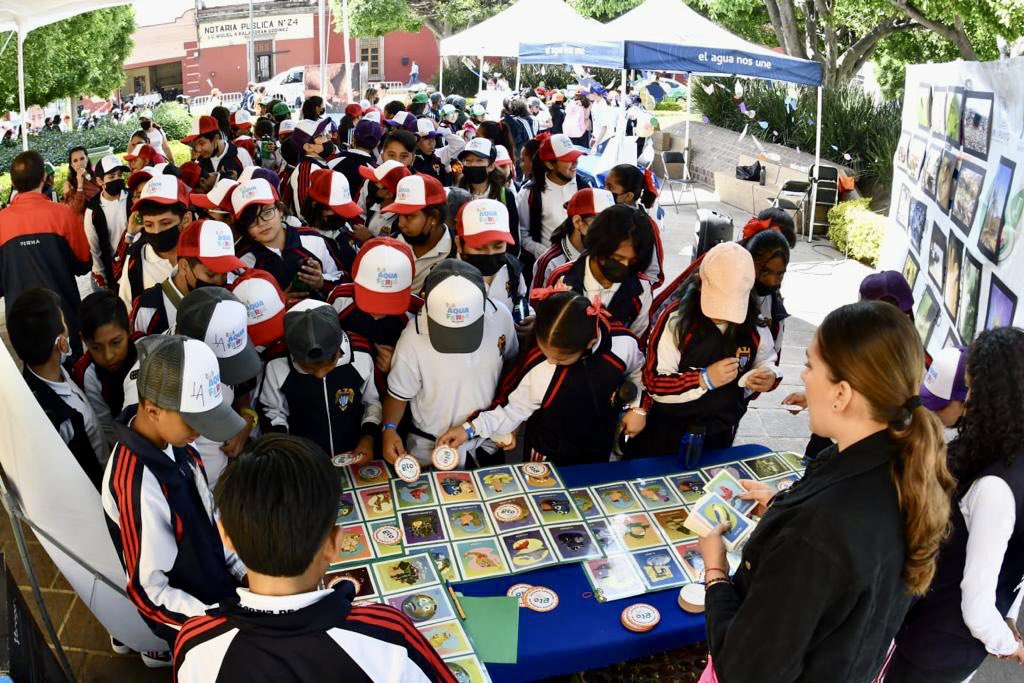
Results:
<point x="558" y="148"/>
<point x="256" y="191"/>
<point x="383" y="271"/>
<point x="264" y="305"/>
<point x="480" y="147"/>
<point x="482" y="221"/>
<point x="415" y="193"/>
<point x="946" y="379"/>
<point x="212" y="243"/>
<point x="454" y="308"/>
<point x="218" y="198"/>
<point x="287" y="126"/>
<point x="110" y="162"/>
<point x="425" y="128"/>
<point x="372" y="115"/>
<point x="220" y="320"/>
<point x="163" y="189"/>
<point x="331" y="188"/>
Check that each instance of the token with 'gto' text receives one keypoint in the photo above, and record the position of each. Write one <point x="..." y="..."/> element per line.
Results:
<point x="536" y="470"/>
<point x="344" y="459"/>
<point x="445" y="458"/>
<point x="407" y="468"/>
<point x="540" y="599"/>
<point x="387" y="535"/>
<point x="640" y="617"/>
<point x="518" y="591"/>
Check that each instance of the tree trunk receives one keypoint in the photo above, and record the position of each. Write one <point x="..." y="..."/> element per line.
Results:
<point x="954" y="34"/>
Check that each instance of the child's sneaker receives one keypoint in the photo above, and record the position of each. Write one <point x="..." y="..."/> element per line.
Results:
<point x="118" y="647"/>
<point x="156" y="660"/>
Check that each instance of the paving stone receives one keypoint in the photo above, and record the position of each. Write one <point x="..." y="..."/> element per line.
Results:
<point x="113" y="668"/>
<point x="82" y="630"/>
<point x="44" y="568"/>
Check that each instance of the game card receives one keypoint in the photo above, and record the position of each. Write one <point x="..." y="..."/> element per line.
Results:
<point x="727" y="486"/>
<point x="495" y="482"/>
<point x="528" y="549"/>
<point x="635" y="531"/>
<point x="795" y="461"/>
<point x="355" y="544"/>
<point x="585" y="502"/>
<point x="468" y="669"/>
<point x="616" y="497"/>
<point x="448" y="638"/>
<point x="386" y="537"/>
<point x="689" y="485"/>
<point x="345" y="477"/>
<point x="455" y="487"/>
<point x="370" y="473"/>
<point x="423" y="605"/>
<point x="783" y="483"/>
<point x="376" y="502"/>
<point x="480" y="558"/>
<point x="420" y="527"/>
<point x="573" y="542"/>
<point x="655" y="493"/>
<point x="444" y="561"/>
<point x="712" y="510"/>
<point x="403" y="573"/>
<point x="468" y="520"/>
<point x="532" y="481"/>
<point x="613" y="578"/>
<point x="659" y="568"/>
<point x="605" y="535"/>
<point x="358" y="575"/>
<point x="512" y="513"/>
<point x="416" y="494"/>
<point x="767" y="466"/>
<point x="672" y="523"/>
<point x="348" y="511"/>
<point x="737" y="469"/>
<point x="555" y="507"/>
<point x="690" y="559"/>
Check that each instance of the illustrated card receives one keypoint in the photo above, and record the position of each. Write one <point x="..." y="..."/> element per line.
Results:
<point x="480" y="558"/>
<point x="767" y="466"/>
<point x="605" y="535"/>
<point x="690" y="559"/>
<point x="783" y="483"/>
<point x="635" y="531"/>
<point x="555" y="507"/>
<point x="614" y="578"/>
<point x="659" y="568"/>
<point x="348" y="511"/>
<point x="689" y="486"/>
<point x="355" y="544"/>
<point x="655" y="493"/>
<point x="549" y="480"/>
<point x="345" y="477"/>
<point x="509" y="514"/>
<point x="468" y="669"/>
<point x="468" y="520"/>
<point x="386" y="538"/>
<point x="416" y="494"/>
<point x="403" y="573"/>
<point x="672" y="523"/>
<point x="358" y="575"/>
<point x="495" y="482"/>
<point x="420" y="527"/>
<point x="528" y="549"/>
<point x="585" y="502"/>
<point x="376" y="502"/>
<point x="423" y="605"/>
<point x="616" y="497"/>
<point x="796" y="462"/>
<point x="727" y="486"/>
<point x="737" y="469"/>
<point x="444" y="561"/>
<point x="455" y="487"/>
<point x="711" y="511"/>
<point x="448" y="638"/>
<point x="371" y="473"/>
<point x="573" y="542"/>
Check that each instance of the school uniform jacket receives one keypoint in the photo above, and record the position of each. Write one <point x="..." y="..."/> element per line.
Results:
<point x="310" y="637"/>
<point x="161" y="518"/>
<point x="571" y="411"/>
<point x="156" y="310"/>
<point x="334" y="412"/>
<point x="628" y="305"/>
<point x="226" y="164"/>
<point x="300" y="180"/>
<point x="102" y="244"/>
<point x="103" y="388"/>
<point x="381" y="332"/>
<point x="348" y="163"/>
<point x="140" y="269"/>
<point x="300" y="244"/>
<point x="557" y="255"/>
<point x="508" y="285"/>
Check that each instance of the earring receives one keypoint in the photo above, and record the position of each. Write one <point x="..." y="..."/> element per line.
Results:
<point x="835" y="406"/>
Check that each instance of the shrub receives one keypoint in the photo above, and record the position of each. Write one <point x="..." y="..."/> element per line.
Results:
<point x="856" y="229"/>
<point x="182" y="152"/>
<point x="665" y="105"/>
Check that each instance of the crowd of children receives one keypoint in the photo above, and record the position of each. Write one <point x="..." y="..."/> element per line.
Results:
<point x="400" y="284"/>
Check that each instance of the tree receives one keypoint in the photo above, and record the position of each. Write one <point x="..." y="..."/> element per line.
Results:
<point x="83" y="55"/>
<point x="443" y="17"/>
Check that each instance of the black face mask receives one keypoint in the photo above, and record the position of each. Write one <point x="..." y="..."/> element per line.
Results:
<point x="328" y="149"/>
<point x="163" y="242"/>
<point x="146" y="125"/>
<point x="416" y="240"/>
<point x="335" y="223"/>
<point x="763" y="289"/>
<point x="474" y="175"/>
<point x="199" y="284"/>
<point x="114" y="187"/>
<point x="613" y="270"/>
<point x="487" y="264"/>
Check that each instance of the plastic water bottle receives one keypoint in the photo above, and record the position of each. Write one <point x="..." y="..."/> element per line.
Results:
<point x="691" y="446"/>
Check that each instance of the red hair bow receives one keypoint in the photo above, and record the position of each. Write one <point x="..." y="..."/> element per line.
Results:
<point x="541" y="293"/>
<point x="596" y="310"/>
<point x="755" y="225"/>
<point x="649" y="182"/>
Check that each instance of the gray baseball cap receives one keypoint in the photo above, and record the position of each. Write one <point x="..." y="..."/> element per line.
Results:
<point x="215" y="316"/>
<point x="455" y="299"/>
<point x="312" y="332"/>
<point x="183" y="375"/>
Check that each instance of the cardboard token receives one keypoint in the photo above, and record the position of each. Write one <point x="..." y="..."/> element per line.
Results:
<point x="536" y="470"/>
<point x="335" y="580"/>
<point x="445" y="458"/>
<point x="407" y="468"/>
<point x="691" y="598"/>
<point x="344" y="459"/>
<point x="518" y="591"/>
<point x="387" y="535"/>
<point x="640" y="617"/>
<point x="508" y="512"/>
<point x="540" y="599"/>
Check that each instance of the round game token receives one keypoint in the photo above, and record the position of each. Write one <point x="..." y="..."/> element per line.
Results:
<point x="640" y="617"/>
<point x="344" y="459"/>
<point x="351" y="579"/>
<point x="518" y="591"/>
<point x="369" y="472"/>
<point x="407" y="468"/>
<point x="536" y="470"/>
<point x="540" y="599"/>
<point x="445" y="458"/>
<point x="691" y="598"/>
<point x="387" y="535"/>
<point x="508" y="512"/>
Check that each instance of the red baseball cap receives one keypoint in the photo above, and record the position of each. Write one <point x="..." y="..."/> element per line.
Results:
<point x="204" y="125"/>
<point x="482" y="221"/>
<point x="387" y="174"/>
<point x="264" y="306"/>
<point x="558" y="148"/>
<point x="191" y="173"/>
<point x="163" y="189"/>
<point x="212" y="243"/>
<point x="330" y="188"/>
<point x="383" y="271"/>
<point x="415" y="193"/>
<point x="218" y="198"/>
<point x="589" y="202"/>
<point x="255" y="191"/>
<point x="147" y="152"/>
<point x="240" y="119"/>
<point x="354" y="110"/>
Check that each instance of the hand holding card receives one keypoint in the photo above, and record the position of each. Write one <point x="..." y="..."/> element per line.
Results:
<point x="761" y="379"/>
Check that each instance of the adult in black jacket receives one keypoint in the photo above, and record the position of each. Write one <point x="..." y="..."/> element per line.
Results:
<point x="828" y="574"/>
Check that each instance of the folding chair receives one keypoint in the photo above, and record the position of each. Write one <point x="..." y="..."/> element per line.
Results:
<point x="828" y="196"/>
<point x="681" y="178"/>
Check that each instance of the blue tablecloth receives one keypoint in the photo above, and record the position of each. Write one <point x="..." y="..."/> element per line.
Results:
<point x="583" y="633"/>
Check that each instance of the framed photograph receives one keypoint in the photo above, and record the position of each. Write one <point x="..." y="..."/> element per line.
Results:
<point x="903" y="206"/>
<point x="915" y="157"/>
<point x="902" y="149"/>
<point x="991" y="240"/>
<point x="924" y="106"/>
<point x="954" y="264"/>
<point x="944" y="181"/>
<point x="969" y="182"/>
<point x="938" y="117"/>
<point x="970" y="298"/>
<point x="927" y="315"/>
<point x="977" y="123"/>
<point x="917" y="223"/>
<point x="930" y="176"/>
<point x="910" y="270"/>
<point x="937" y="257"/>
<point x="954" y="115"/>
<point x="1002" y="304"/>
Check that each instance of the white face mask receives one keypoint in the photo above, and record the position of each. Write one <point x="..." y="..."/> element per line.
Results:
<point x="64" y="355"/>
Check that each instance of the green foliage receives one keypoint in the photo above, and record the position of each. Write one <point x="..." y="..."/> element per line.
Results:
<point x="665" y="105"/>
<point x="377" y="17"/>
<point x="856" y="229"/>
<point x="604" y="10"/>
<point x="172" y="117"/>
<point x="83" y="55"/>
<point x="181" y="151"/>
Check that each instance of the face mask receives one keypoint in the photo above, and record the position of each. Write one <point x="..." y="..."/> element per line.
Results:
<point x="163" y="242"/>
<point x="474" y="175"/>
<point x="416" y="240"/>
<point x="487" y="264"/>
<point x="613" y="270"/>
<point x="335" y="223"/>
<point x="146" y="125"/>
<point x="763" y="289"/>
<point x="328" y="149"/>
<point x="64" y="355"/>
<point x="114" y="187"/>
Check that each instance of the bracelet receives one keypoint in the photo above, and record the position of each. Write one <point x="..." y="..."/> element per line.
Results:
<point x="715" y="569"/>
<point x="470" y="431"/>
<point x="707" y="379"/>
<point x="712" y="582"/>
<point x="639" y="411"/>
<point x="388" y="425"/>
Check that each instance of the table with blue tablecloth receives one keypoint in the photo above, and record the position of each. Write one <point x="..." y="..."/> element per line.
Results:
<point x="582" y="633"/>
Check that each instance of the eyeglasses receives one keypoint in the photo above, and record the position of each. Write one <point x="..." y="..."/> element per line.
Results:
<point x="267" y="213"/>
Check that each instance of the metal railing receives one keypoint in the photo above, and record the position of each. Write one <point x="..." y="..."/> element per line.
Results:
<point x="202" y="104"/>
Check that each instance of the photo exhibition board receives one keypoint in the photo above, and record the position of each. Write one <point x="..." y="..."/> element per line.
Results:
<point x="957" y="210"/>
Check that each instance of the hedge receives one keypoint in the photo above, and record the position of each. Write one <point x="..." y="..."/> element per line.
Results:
<point x="856" y="229"/>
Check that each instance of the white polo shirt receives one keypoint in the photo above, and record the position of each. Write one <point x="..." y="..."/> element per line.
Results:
<point x="155" y="269"/>
<point x="443" y="389"/>
<point x="424" y="264"/>
<point x="115" y="212"/>
<point x="77" y="401"/>
<point x="592" y="287"/>
<point x="552" y="214"/>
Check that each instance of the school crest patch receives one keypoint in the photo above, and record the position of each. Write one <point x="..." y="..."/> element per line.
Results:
<point x="344" y="398"/>
<point x="501" y="345"/>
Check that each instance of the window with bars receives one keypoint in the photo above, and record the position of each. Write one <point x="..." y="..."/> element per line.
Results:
<point x="371" y="51"/>
<point x="263" y="53"/>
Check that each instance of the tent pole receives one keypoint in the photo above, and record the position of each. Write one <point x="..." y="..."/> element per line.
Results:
<point x="620" y="134"/>
<point x="519" y="73"/>
<point x="686" y="143"/>
<point x="21" y="89"/>
<point x="480" y="76"/>
<point x="817" y="165"/>
<point x="440" y="77"/>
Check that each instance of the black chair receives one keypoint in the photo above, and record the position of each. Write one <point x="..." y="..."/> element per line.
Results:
<point x="681" y="178"/>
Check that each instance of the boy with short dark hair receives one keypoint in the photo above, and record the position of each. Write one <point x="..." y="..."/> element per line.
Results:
<point x="283" y="628"/>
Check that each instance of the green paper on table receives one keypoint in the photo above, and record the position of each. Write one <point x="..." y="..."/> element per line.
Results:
<point x="493" y="626"/>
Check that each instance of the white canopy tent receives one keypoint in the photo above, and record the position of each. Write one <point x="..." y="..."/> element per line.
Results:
<point x="24" y="16"/>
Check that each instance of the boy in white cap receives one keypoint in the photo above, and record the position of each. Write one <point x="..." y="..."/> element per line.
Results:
<point x="447" y="362"/>
<point x="543" y="198"/>
<point x="567" y="239"/>
<point x="106" y="218"/>
<point x="158" y="504"/>
<point x="422" y="207"/>
<point x="379" y="191"/>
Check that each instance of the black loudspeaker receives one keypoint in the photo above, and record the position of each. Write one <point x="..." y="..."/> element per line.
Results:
<point x="712" y="228"/>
